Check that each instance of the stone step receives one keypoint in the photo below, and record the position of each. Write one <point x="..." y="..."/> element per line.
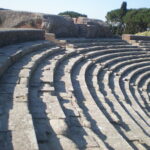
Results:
<point x="127" y="106"/>
<point x="109" y="49"/>
<point x="143" y="41"/>
<point x="75" y="117"/>
<point x="133" y="66"/>
<point x="101" y="44"/>
<point x="51" y="70"/>
<point x="83" y="40"/>
<point x="93" y="110"/>
<point x="113" y="99"/>
<point x="120" y="74"/>
<point x="57" y="121"/>
<point x="20" y="120"/>
<point x="118" y="108"/>
<point x="143" y="90"/>
<point x="11" y="54"/>
<point x="82" y="74"/>
<point x="94" y="94"/>
<point x="98" y="46"/>
<point x="94" y="76"/>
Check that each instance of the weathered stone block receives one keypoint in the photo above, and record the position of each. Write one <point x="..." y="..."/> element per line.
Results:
<point x="11" y="36"/>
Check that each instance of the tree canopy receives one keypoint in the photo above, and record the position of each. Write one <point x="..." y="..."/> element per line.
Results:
<point x="137" y="20"/>
<point x="72" y="14"/>
<point x="129" y="20"/>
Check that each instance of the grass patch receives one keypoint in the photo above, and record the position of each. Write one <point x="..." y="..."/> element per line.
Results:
<point x="146" y="33"/>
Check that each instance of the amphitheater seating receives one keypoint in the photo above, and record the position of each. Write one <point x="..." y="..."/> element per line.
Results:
<point x="92" y="94"/>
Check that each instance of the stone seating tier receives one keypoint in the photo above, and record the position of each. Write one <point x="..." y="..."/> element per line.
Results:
<point x="89" y="94"/>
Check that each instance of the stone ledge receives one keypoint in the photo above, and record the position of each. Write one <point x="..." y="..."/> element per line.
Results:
<point x="51" y="37"/>
<point x="12" y="36"/>
<point x="128" y="37"/>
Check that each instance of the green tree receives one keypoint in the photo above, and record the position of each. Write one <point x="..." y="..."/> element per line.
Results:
<point x="72" y="14"/>
<point x="137" y="20"/>
<point x="128" y="20"/>
<point x="115" y="19"/>
<point x="123" y="10"/>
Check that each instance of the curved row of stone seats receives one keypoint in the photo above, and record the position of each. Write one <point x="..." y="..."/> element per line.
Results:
<point x="106" y="79"/>
<point x="131" y="77"/>
<point x="98" y="44"/>
<point x="101" y="43"/>
<point x="107" y="140"/>
<point x="134" y="101"/>
<point x="125" y="85"/>
<point x="139" y="76"/>
<point x="94" y="112"/>
<point x="138" y="79"/>
<point x="59" y="84"/>
<point x="57" y="131"/>
<point x="103" y="47"/>
<point x="70" y="98"/>
<point x="112" y="112"/>
<point x="143" y="43"/>
<point x="63" y="107"/>
<point x="117" y="87"/>
<point x="11" y="54"/>
<point x="144" y="90"/>
<point x="64" y="95"/>
<point x="76" y="118"/>
<point x="83" y="40"/>
<point x="52" y="129"/>
<point x="145" y="95"/>
<point x="16" y="120"/>
<point x="105" y="83"/>
<point x="144" y="84"/>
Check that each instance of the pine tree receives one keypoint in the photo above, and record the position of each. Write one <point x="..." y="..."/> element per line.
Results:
<point x="123" y="10"/>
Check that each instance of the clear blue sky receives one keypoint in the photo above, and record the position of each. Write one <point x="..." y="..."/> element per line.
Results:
<point x="93" y="8"/>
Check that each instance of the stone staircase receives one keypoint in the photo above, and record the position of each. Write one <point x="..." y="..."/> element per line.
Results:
<point x="92" y="94"/>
